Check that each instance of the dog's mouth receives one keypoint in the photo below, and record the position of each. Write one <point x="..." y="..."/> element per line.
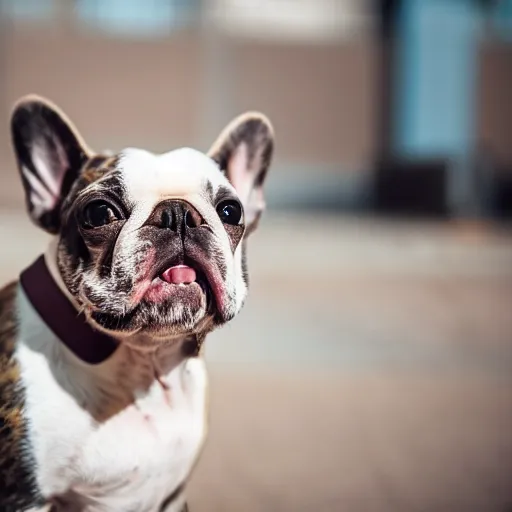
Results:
<point x="191" y="271"/>
<point x="179" y="281"/>
<point x="179" y="285"/>
<point x="184" y="286"/>
<point x="179" y="274"/>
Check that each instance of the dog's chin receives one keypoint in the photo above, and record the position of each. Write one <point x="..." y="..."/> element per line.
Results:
<point x="166" y="311"/>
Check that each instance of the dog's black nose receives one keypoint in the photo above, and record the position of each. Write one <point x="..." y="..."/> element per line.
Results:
<point x="176" y="215"/>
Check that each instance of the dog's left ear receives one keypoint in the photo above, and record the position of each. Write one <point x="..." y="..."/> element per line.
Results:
<point x="244" y="151"/>
<point x="50" y="154"/>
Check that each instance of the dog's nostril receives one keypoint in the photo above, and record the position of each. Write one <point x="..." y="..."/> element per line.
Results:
<point x="176" y="216"/>
<point x="166" y="220"/>
<point x="192" y="219"/>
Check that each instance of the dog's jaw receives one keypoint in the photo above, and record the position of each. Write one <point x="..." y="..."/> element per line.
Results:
<point x="139" y="341"/>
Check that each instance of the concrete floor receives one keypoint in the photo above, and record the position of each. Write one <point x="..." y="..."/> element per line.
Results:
<point x="371" y="369"/>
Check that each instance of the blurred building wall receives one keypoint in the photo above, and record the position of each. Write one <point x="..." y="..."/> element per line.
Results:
<point x="494" y="126"/>
<point x="127" y="81"/>
<point x="164" y="92"/>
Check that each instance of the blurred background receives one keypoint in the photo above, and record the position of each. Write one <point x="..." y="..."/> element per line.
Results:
<point x="371" y="369"/>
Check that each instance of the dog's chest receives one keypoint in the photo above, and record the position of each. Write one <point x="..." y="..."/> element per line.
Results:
<point x="91" y="456"/>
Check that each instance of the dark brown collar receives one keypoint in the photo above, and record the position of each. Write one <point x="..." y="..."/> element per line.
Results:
<point x="62" y="318"/>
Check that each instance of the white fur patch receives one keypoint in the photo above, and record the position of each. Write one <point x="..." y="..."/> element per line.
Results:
<point x="182" y="173"/>
<point x="136" y="457"/>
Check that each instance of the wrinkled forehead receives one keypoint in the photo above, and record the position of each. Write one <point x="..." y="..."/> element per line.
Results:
<point x="180" y="174"/>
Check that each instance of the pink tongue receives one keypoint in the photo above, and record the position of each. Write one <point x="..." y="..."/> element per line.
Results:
<point x="180" y="274"/>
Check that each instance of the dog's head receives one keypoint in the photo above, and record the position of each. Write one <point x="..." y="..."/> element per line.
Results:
<point x="146" y="243"/>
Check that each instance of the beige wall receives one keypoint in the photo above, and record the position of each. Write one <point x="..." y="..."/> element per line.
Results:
<point x="322" y="98"/>
<point x="180" y="91"/>
<point x="495" y="100"/>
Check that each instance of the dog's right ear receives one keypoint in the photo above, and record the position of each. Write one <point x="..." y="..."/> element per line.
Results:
<point x="50" y="155"/>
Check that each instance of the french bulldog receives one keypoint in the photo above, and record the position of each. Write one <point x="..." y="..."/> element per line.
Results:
<point x="103" y="386"/>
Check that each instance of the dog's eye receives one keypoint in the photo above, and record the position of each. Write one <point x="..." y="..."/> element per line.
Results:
<point x="230" y="212"/>
<point x="98" y="213"/>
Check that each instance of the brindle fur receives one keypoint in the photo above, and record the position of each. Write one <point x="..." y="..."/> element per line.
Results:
<point x="18" y="489"/>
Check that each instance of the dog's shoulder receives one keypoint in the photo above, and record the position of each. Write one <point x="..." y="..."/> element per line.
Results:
<point x="17" y="476"/>
<point x="7" y="319"/>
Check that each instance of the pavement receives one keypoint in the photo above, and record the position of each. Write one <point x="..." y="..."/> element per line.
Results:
<point x="371" y="368"/>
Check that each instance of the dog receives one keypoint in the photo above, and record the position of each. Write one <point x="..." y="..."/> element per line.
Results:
<point x="103" y="386"/>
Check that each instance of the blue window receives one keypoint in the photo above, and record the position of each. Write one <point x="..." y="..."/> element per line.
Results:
<point x="139" y="18"/>
<point x="502" y="19"/>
